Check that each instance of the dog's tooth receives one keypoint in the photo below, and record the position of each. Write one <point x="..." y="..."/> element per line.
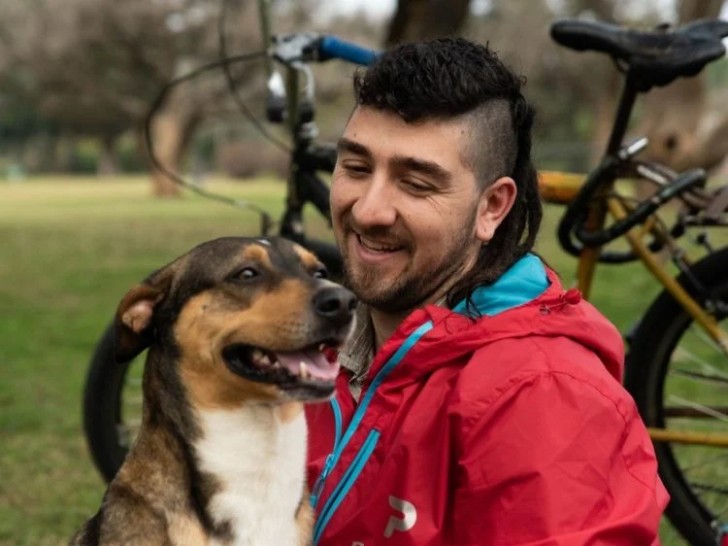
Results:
<point x="322" y="347"/>
<point x="303" y="370"/>
<point x="260" y="357"/>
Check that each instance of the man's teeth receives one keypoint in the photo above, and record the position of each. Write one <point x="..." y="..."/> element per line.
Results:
<point x="372" y="245"/>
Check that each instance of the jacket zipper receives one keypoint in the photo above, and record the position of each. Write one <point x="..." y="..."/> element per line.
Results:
<point x="319" y="485"/>
<point x="346" y="483"/>
<point x="340" y="444"/>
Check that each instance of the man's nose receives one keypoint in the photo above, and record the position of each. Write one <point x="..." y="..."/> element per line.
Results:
<point x="376" y="206"/>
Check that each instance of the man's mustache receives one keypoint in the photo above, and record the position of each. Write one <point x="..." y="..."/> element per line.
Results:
<point x="385" y="235"/>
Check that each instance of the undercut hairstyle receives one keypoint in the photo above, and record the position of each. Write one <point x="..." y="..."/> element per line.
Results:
<point x="451" y="78"/>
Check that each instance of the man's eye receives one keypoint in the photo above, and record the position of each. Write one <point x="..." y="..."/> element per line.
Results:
<point x="416" y="187"/>
<point x="320" y="273"/>
<point x="245" y="274"/>
<point x="356" y="169"/>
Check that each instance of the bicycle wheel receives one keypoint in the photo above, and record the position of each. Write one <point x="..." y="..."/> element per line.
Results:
<point x="112" y="405"/>
<point x="679" y="379"/>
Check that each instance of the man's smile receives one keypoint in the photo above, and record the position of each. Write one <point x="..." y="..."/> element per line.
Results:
<point x="372" y="251"/>
<point x="378" y="246"/>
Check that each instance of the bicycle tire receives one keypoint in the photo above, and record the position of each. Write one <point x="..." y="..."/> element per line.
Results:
<point x="668" y="361"/>
<point x="329" y="254"/>
<point x="106" y="425"/>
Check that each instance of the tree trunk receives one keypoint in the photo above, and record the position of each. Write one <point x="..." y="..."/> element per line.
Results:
<point x="62" y="152"/>
<point x="167" y="148"/>
<point x="108" y="159"/>
<point x="684" y="129"/>
<point x="172" y="131"/>
<point x="604" y="111"/>
<point x="425" y="19"/>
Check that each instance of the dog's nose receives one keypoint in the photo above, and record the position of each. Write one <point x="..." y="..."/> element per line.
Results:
<point x="334" y="303"/>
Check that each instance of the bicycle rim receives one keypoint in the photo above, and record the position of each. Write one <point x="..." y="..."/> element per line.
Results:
<point x="684" y="387"/>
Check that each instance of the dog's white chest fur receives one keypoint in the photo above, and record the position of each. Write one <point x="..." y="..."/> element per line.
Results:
<point x="260" y="461"/>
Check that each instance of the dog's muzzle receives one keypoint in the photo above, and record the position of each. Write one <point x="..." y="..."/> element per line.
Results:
<point x="309" y="372"/>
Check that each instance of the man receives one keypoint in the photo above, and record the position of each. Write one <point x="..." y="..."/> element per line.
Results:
<point x="481" y="402"/>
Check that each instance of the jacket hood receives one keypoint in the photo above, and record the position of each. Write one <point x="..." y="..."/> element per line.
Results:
<point x="527" y="300"/>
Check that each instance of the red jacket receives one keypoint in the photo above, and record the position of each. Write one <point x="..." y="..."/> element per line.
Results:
<point x="511" y="428"/>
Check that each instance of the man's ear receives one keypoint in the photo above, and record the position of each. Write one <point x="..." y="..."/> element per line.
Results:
<point x="133" y="323"/>
<point x="495" y="203"/>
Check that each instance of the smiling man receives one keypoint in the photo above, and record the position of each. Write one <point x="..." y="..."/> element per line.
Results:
<point x="480" y="403"/>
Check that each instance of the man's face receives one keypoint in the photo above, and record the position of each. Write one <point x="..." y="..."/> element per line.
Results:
<point x="404" y="208"/>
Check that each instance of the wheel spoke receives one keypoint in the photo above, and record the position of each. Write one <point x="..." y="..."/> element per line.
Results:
<point x="700" y="408"/>
<point x="718" y="459"/>
<point x="709" y="488"/>
<point x="707" y="367"/>
<point x="700" y="376"/>
<point x="672" y="412"/>
<point x="705" y="338"/>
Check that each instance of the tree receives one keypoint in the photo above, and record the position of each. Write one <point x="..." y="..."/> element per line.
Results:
<point x="423" y="19"/>
<point x="95" y="66"/>
<point x="686" y="129"/>
<point x="576" y="93"/>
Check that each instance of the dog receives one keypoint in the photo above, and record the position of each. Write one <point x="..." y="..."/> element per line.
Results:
<point x="241" y="334"/>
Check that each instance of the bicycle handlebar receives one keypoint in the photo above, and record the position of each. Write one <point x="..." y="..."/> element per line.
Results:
<point x="331" y="47"/>
<point x="295" y="51"/>
<point x="309" y="46"/>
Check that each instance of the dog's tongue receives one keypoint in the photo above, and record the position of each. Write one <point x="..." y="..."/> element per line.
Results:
<point x="316" y="365"/>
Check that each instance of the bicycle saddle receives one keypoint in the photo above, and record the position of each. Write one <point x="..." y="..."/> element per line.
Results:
<point x="653" y="58"/>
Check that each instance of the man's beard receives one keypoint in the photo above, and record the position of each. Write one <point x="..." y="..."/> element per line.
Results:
<point x="410" y="288"/>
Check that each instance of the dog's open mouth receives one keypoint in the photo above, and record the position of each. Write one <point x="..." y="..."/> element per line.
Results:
<point x="308" y="367"/>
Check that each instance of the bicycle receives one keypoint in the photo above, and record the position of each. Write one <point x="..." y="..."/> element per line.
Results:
<point x="657" y="370"/>
<point x="109" y="426"/>
<point x="657" y="367"/>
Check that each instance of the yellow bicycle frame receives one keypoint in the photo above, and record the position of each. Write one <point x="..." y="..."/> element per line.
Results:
<point x="561" y="188"/>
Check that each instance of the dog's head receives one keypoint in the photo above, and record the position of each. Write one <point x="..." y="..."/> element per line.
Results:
<point x="241" y="318"/>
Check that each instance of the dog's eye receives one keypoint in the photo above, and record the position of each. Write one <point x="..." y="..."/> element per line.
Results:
<point x="320" y="273"/>
<point x="245" y="274"/>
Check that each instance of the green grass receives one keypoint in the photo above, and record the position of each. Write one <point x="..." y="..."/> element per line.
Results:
<point x="69" y="249"/>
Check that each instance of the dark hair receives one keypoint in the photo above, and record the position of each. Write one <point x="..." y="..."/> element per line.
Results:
<point x="451" y="77"/>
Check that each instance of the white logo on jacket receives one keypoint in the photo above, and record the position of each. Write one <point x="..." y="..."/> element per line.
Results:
<point x="404" y="520"/>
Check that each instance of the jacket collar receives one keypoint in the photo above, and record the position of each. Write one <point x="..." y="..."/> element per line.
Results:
<point x="524" y="281"/>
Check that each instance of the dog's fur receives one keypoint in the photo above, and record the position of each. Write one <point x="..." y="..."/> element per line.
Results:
<point x="220" y="457"/>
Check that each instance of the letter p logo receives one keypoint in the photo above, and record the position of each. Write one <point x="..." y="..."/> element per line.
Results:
<point x="405" y="520"/>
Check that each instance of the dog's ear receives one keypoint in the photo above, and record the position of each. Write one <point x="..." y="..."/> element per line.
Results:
<point x="133" y="324"/>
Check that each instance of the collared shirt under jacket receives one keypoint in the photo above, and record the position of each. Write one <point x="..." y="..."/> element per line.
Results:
<point x="503" y="426"/>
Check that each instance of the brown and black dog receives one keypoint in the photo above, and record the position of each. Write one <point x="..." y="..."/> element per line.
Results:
<point x="235" y="330"/>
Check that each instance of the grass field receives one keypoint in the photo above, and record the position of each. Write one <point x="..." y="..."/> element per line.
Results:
<point x="69" y="249"/>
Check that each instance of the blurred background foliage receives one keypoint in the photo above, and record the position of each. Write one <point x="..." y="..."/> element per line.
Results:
<point x="78" y="77"/>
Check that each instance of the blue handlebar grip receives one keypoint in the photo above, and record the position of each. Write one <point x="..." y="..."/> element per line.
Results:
<point x="331" y="47"/>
